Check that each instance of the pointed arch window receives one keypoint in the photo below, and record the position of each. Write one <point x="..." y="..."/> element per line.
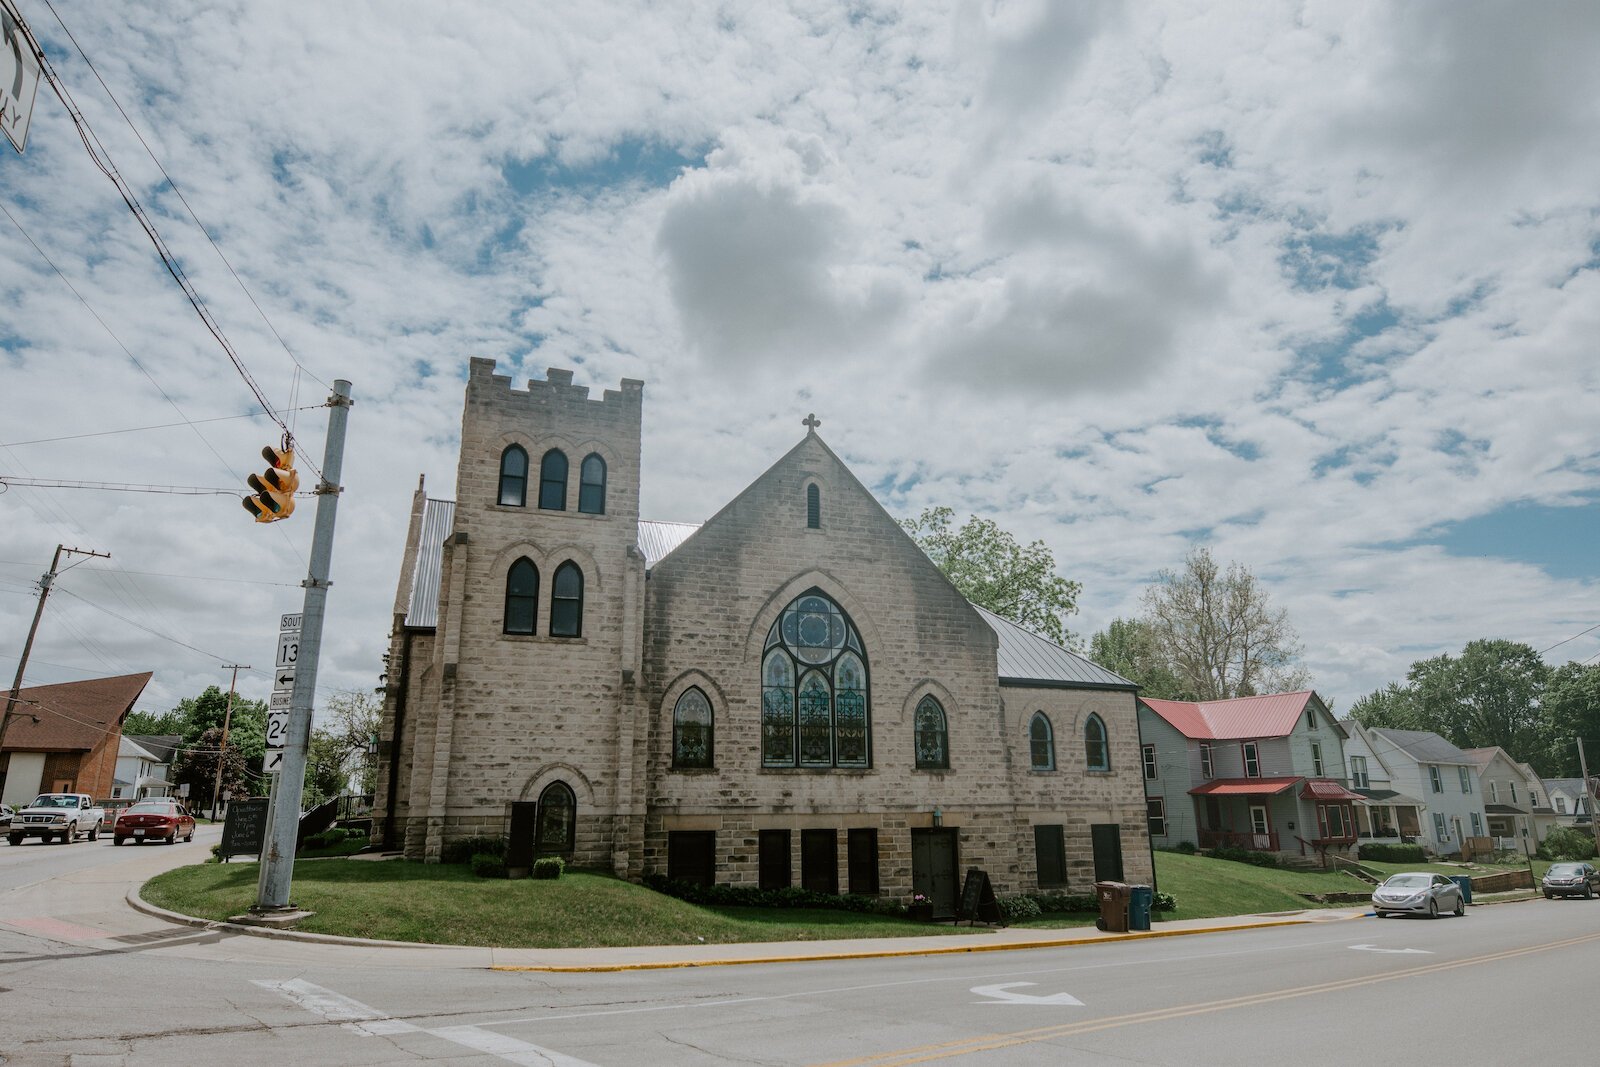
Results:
<point x="553" y="481"/>
<point x="557" y="819"/>
<point x="1096" y="749"/>
<point x="1041" y="743"/>
<point x="815" y="700"/>
<point x="592" y="485"/>
<point x="514" y="477"/>
<point x="692" y="731"/>
<point x="522" y="597"/>
<point x="566" y="601"/>
<point x="813" y="507"/>
<point x="932" y="740"/>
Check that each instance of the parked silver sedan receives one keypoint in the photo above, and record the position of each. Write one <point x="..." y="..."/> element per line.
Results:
<point x="1418" y="893"/>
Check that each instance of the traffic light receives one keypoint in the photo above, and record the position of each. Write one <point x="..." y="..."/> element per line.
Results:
<point x="272" y="496"/>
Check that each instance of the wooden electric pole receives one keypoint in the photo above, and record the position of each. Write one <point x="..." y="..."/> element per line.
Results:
<point x="38" y="612"/>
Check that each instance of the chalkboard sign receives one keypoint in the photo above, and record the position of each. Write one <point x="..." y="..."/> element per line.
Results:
<point x="977" y="899"/>
<point x="245" y="829"/>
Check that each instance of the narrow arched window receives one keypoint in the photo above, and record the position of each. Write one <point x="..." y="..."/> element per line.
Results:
<point x="514" y="477"/>
<point x="592" y="485"/>
<point x="1096" y="752"/>
<point x="813" y="507"/>
<point x="932" y="741"/>
<point x="1041" y="743"/>
<point x="553" y="481"/>
<point x="692" y="735"/>
<point x="566" y="601"/>
<point x="522" y="596"/>
<point x="557" y="819"/>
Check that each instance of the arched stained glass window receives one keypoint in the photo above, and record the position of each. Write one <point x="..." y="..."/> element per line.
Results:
<point x="592" y="485"/>
<point x="1096" y="752"/>
<point x="553" y="481"/>
<point x="514" y="477"/>
<point x="1041" y="743"/>
<point x="815" y="703"/>
<point x="566" y="601"/>
<point x="692" y="730"/>
<point x="930" y="737"/>
<point x="813" y="507"/>
<point x="522" y="596"/>
<point x="558" y="818"/>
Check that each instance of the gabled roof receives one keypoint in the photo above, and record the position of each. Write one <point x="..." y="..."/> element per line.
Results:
<point x="1024" y="657"/>
<point x="162" y="747"/>
<point x="1424" y="746"/>
<point x="1573" y="787"/>
<point x="438" y="517"/>
<point x="1482" y="757"/>
<point x="656" y="539"/>
<point x="1272" y="715"/>
<point x="72" y="716"/>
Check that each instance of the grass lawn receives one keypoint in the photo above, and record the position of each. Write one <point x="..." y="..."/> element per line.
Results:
<point x="447" y="905"/>
<point x="1384" y="870"/>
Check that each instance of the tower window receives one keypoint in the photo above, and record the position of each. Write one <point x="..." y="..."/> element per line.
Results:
<point x="592" y="485"/>
<point x="813" y="507"/>
<point x="522" y="596"/>
<point x="553" y="481"/>
<point x="514" y="477"/>
<point x="566" y="602"/>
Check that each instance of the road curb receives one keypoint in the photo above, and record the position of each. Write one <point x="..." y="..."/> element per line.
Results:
<point x="138" y="903"/>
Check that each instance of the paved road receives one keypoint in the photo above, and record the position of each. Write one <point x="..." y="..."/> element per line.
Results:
<point x="1508" y="983"/>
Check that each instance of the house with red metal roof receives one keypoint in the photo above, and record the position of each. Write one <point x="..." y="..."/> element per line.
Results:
<point x="1256" y="772"/>
<point x="64" y="738"/>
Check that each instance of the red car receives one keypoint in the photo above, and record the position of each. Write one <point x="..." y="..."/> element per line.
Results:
<point x="160" y="819"/>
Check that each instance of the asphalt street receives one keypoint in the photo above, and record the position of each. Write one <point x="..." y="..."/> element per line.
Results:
<point x="86" y="982"/>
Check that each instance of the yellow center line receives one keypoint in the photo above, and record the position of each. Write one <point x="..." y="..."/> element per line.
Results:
<point x="987" y="1042"/>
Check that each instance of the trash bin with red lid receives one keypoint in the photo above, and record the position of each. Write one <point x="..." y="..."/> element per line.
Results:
<point x="1113" y="898"/>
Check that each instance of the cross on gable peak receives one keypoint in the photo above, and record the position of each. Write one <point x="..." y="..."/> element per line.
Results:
<point x="811" y="422"/>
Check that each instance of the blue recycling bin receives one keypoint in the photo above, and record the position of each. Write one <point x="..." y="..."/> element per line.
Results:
<point x="1465" y="882"/>
<point x="1140" y="898"/>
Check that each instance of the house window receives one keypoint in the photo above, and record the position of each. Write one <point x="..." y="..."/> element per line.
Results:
<point x="1205" y="760"/>
<point x="819" y="860"/>
<point x="1155" y="815"/>
<point x="692" y="856"/>
<point x="1259" y="823"/>
<point x="514" y="476"/>
<point x="1494" y="793"/>
<point x="1333" y="824"/>
<point x="1316" y="759"/>
<point x="1150" y="769"/>
<point x="1050" y="855"/>
<point x="1561" y="805"/>
<point x="813" y="507"/>
<point x="1358" y="772"/>
<point x="1466" y="779"/>
<point x="775" y="865"/>
<point x="1096" y="752"/>
<point x="1477" y="825"/>
<point x="863" y="857"/>
<point x="931" y="739"/>
<point x="1252" y="760"/>
<point x="1311" y="719"/>
<point x="1513" y="786"/>
<point x="558" y="816"/>
<point x="692" y="737"/>
<point x="592" y="485"/>
<point x="566" y="602"/>
<point x="553" y="481"/>
<point x="814" y="701"/>
<point x="522" y="597"/>
<point x="1439" y="832"/>
<point x="1435" y="779"/>
<point x="1041" y="743"/>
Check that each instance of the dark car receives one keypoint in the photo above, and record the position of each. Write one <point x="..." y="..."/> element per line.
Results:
<point x="158" y="819"/>
<point x="1570" y="880"/>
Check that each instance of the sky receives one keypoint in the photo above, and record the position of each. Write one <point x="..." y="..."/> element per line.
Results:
<point x="1314" y="285"/>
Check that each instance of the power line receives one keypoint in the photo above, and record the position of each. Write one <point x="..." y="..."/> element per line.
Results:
<point x="116" y="487"/>
<point x="142" y="626"/>
<point x="1574" y="637"/>
<point x="141" y="429"/>
<point x="164" y="574"/>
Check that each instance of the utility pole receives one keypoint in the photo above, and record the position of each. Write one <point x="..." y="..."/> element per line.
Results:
<point x="227" y="718"/>
<point x="38" y="612"/>
<point x="1588" y="795"/>
<point x="283" y="810"/>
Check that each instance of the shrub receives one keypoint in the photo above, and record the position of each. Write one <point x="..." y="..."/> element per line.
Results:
<point x="1164" y="902"/>
<point x="1391" y="853"/>
<point x="746" y="896"/>
<point x="1061" y="902"/>
<point x="463" y="850"/>
<point x="1566" y="843"/>
<point x="1243" y="855"/>
<point x="548" y="867"/>
<point x="485" y="865"/>
<point x="1185" y="847"/>
<point x="1019" y="908"/>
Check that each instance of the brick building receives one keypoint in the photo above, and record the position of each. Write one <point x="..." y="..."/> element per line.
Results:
<point x="789" y="693"/>
<point x="63" y="738"/>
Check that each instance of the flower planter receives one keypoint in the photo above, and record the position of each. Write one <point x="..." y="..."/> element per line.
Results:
<point x="922" y="913"/>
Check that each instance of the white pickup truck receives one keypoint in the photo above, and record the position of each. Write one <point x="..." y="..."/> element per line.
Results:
<point x="59" y="817"/>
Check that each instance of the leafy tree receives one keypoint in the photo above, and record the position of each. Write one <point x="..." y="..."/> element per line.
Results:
<point x="153" y="722"/>
<point x="1219" y="633"/>
<point x="349" y="721"/>
<point x="196" y="766"/>
<point x="991" y="569"/>
<point x="1128" y="647"/>
<point x="1571" y="706"/>
<point x="247" y="728"/>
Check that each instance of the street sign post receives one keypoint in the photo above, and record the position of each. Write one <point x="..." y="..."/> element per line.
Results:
<point x="272" y="760"/>
<point x="19" y="77"/>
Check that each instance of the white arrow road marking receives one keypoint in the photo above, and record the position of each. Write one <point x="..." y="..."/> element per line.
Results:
<point x="1393" y="951"/>
<point x="999" y="994"/>
<point x="370" y="1022"/>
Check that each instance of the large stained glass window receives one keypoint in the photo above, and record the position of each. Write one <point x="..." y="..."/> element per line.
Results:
<point x="815" y="710"/>
<point x="556" y="820"/>
<point x="933" y="750"/>
<point x="692" y="730"/>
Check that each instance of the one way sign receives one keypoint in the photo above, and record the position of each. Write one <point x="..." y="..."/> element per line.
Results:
<point x="284" y="679"/>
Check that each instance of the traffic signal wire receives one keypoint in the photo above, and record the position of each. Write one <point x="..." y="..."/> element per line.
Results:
<point x="141" y="626"/>
<point x="142" y="429"/>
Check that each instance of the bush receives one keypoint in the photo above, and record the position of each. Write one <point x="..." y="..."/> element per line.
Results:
<point x="745" y="896"/>
<point x="1164" y="902"/>
<point x="1019" y="908"/>
<point x="1243" y="855"/>
<point x="463" y="850"/>
<point x="548" y="867"/>
<point x="1566" y="843"/>
<point x="485" y="865"/>
<point x="1391" y="853"/>
<point x="1185" y="847"/>
<point x="1062" y="903"/>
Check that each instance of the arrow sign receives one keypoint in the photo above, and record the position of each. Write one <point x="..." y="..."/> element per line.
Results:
<point x="272" y="761"/>
<point x="1393" y="951"/>
<point x="284" y="678"/>
<point x="999" y="994"/>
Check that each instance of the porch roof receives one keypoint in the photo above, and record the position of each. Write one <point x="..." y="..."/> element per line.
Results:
<point x="1385" y="798"/>
<point x="1326" y="789"/>
<point x="1256" y="787"/>
<point x="1502" y="809"/>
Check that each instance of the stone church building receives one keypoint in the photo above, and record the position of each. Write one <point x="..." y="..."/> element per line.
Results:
<point x="790" y="693"/>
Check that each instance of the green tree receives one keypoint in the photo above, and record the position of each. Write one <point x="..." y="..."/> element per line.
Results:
<point x="1128" y="647"/>
<point x="196" y="766"/>
<point x="1219" y="633"/>
<point x="1571" y="705"/>
<point x="347" y="724"/>
<point x="154" y="722"/>
<point x="247" y="726"/>
<point x="991" y="569"/>
<point x="1392" y="707"/>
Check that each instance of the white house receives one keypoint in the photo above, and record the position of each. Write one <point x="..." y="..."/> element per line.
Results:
<point x="1428" y="766"/>
<point x="144" y="762"/>
<point x="1386" y="813"/>
<point x="1569" y="806"/>
<point x="1511" y="793"/>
